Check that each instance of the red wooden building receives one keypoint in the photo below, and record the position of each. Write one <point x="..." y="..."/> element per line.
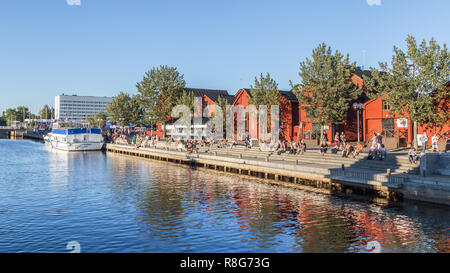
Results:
<point x="397" y="130"/>
<point x="288" y="112"/>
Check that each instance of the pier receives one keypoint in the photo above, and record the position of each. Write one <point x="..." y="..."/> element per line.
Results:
<point x="393" y="179"/>
<point x="10" y="132"/>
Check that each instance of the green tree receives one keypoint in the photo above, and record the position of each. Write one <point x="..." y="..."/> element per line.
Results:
<point x="100" y="119"/>
<point x="136" y="112"/>
<point x="186" y="98"/>
<point x="118" y="110"/>
<point x="2" y="120"/>
<point x="10" y="115"/>
<point x="326" y="87"/>
<point x="46" y="112"/>
<point x="90" y="120"/>
<point x="414" y="83"/>
<point x="159" y="89"/>
<point x="22" y="113"/>
<point x="264" y="92"/>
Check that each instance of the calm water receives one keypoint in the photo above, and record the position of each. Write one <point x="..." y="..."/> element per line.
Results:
<point x="110" y="203"/>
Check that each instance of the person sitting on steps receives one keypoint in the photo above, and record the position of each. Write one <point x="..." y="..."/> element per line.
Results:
<point x="323" y="148"/>
<point x="357" y="150"/>
<point x="412" y="155"/>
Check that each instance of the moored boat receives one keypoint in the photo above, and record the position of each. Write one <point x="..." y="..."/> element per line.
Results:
<point x="75" y="139"/>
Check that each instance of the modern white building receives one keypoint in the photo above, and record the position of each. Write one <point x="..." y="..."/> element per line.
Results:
<point x="75" y="108"/>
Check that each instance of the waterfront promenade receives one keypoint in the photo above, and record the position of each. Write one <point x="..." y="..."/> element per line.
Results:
<point x="391" y="179"/>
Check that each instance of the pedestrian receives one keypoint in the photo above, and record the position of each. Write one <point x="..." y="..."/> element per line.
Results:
<point x="424" y="141"/>
<point x="337" y="143"/>
<point x="343" y="139"/>
<point x="434" y="143"/>
<point x="379" y="140"/>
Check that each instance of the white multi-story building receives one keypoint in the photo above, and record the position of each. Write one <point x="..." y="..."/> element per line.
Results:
<point x="75" y="108"/>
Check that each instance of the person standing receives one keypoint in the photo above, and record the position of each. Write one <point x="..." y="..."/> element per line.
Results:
<point x="379" y="140"/>
<point x="434" y="143"/>
<point x="336" y="141"/>
<point x="342" y="138"/>
<point x="424" y="141"/>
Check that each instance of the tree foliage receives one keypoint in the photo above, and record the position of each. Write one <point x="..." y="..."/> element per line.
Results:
<point x="264" y="92"/>
<point x="46" y="112"/>
<point x="125" y="109"/>
<point x="414" y="82"/>
<point x="160" y="89"/>
<point x="186" y="98"/>
<point x="326" y="86"/>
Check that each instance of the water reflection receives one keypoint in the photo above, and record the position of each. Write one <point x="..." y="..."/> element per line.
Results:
<point x="111" y="203"/>
<point x="182" y="201"/>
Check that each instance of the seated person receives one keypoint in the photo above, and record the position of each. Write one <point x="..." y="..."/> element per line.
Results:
<point x="412" y="155"/>
<point x="373" y="151"/>
<point x="335" y="148"/>
<point x="347" y="150"/>
<point x="357" y="150"/>
<point x="250" y="144"/>
<point x="302" y="146"/>
<point x="323" y="148"/>
<point x="382" y="151"/>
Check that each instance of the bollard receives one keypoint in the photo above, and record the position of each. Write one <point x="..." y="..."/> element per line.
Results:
<point x="267" y="159"/>
<point x="388" y="171"/>
<point x="240" y="156"/>
<point x="296" y="162"/>
<point x="215" y="153"/>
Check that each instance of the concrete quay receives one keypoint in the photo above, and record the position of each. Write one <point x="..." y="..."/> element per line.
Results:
<point x="327" y="174"/>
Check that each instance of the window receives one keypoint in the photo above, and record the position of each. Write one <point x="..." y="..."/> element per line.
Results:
<point x="386" y="106"/>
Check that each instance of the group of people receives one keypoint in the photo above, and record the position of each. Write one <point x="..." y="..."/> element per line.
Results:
<point x="140" y="138"/>
<point x="292" y="147"/>
<point x="377" y="148"/>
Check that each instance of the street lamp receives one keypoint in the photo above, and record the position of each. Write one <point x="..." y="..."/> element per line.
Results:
<point x="358" y="107"/>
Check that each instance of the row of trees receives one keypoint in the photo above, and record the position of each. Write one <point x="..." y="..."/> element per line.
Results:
<point x="21" y="113"/>
<point x="412" y="84"/>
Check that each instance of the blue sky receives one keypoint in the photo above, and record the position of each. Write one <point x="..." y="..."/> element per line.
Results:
<point x="102" y="47"/>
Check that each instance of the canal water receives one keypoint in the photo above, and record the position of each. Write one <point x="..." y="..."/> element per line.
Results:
<point x="111" y="203"/>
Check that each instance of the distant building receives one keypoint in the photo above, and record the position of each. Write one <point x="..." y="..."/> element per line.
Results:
<point x="75" y="108"/>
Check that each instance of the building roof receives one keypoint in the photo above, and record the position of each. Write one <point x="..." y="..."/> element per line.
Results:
<point x="229" y="98"/>
<point x="359" y="72"/>
<point x="289" y="95"/>
<point x="213" y="94"/>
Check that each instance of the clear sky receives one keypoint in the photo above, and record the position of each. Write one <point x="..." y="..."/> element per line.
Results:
<point x="102" y="47"/>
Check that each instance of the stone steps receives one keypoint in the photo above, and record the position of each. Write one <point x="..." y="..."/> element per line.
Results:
<point x="397" y="163"/>
<point x="365" y="164"/>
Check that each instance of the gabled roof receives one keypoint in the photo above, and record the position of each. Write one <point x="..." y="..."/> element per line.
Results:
<point x="359" y="72"/>
<point x="213" y="94"/>
<point x="289" y="95"/>
<point x="229" y="98"/>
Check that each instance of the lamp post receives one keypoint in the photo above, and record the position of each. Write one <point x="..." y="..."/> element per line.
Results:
<point x="358" y="107"/>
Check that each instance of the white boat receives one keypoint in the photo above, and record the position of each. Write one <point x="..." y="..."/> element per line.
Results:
<point x="75" y="139"/>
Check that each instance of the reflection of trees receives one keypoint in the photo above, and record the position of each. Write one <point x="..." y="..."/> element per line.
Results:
<point x="162" y="206"/>
<point x="322" y="227"/>
<point x="173" y="202"/>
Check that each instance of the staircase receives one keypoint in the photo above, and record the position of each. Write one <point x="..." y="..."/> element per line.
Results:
<point x="398" y="163"/>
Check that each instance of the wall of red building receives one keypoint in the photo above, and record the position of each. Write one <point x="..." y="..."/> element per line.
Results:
<point x="287" y="108"/>
<point x="373" y="114"/>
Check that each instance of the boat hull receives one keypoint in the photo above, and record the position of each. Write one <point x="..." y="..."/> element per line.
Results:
<point x="73" y="147"/>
